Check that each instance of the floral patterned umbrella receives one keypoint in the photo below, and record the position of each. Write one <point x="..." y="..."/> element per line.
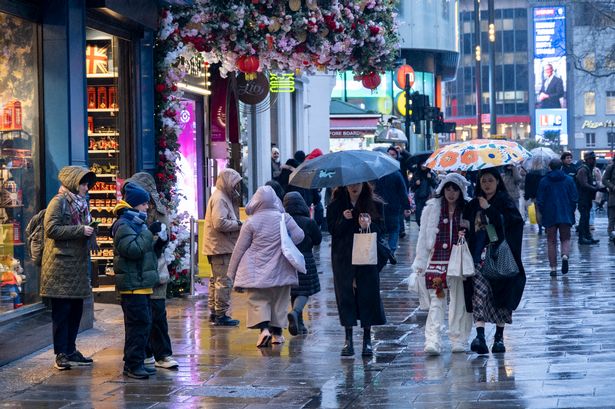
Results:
<point x="477" y="154"/>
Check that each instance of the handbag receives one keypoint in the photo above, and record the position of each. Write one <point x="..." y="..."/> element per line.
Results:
<point x="499" y="262"/>
<point x="365" y="249"/>
<point x="413" y="282"/>
<point x="163" y="271"/>
<point x="289" y="250"/>
<point x="461" y="263"/>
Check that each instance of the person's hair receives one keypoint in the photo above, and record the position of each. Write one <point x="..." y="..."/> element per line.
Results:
<point x="366" y="203"/>
<point x="460" y="200"/>
<point x="565" y="155"/>
<point x="478" y="191"/>
<point x="392" y="148"/>
<point x="555" y="164"/>
<point x="277" y="188"/>
<point x="299" y="156"/>
<point x="549" y="65"/>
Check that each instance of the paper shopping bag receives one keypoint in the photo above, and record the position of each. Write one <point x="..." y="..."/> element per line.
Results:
<point x="365" y="249"/>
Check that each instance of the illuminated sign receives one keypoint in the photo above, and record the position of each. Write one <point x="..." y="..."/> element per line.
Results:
<point x="594" y="125"/>
<point x="281" y="82"/>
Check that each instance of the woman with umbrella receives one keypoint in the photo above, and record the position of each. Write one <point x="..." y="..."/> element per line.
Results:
<point x="493" y="217"/>
<point x="357" y="288"/>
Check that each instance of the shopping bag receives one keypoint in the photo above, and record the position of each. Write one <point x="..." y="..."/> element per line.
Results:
<point x="531" y="212"/>
<point x="460" y="263"/>
<point x="413" y="283"/>
<point x="365" y="249"/>
<point x="289" y="250"/>
<point x="467" y="262"/>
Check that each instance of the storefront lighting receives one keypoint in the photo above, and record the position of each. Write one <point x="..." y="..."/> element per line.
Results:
<point x="492" y="33"/>
<point x="194" y="89"/>
<point x="477" y="53"/>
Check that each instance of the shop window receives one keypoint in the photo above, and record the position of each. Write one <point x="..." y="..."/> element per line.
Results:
<point x="19" y="154"/>
<point x="590" y="140"/>
<point x="103" y="103"/>
<point x="590" y="103"/>
<point x="611" y="138"/>
<point x="610" y="102"/>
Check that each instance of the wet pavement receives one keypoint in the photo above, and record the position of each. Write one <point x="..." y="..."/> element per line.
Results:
<point x="560" y="352"/>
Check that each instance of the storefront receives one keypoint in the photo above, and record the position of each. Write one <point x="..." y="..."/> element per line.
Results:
<point x="76" y="88"/>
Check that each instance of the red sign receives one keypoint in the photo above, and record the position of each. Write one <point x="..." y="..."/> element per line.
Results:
<point x="400" y="76"/>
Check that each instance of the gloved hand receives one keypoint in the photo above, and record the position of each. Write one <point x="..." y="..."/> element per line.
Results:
<point x="155" y="227"/>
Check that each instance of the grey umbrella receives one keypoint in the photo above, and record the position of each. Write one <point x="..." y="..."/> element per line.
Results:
<point x="342" y="169"/>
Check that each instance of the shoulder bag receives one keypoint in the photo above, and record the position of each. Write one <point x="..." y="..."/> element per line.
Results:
<point x="289" y="250"/>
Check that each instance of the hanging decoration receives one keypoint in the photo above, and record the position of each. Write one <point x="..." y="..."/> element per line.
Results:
<point x="371" y="80"/>
<point x="248" y="64"/>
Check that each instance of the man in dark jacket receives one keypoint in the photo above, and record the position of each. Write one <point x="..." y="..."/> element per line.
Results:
<point x="608" y="180"/>
<point x="423" y="182"/>
<point x="556" y="200"/>
<point x="392" y="189"/>
<point x="587" y="187"/>
<point x="568" y="165"/>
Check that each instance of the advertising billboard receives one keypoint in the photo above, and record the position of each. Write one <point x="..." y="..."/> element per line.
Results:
<point x="187" y="175"/>
<point x="550" y="75"/>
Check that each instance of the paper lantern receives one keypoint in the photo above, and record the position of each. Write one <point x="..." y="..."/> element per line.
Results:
<point x="248" y="64"/>
<point x="371" y="80"/>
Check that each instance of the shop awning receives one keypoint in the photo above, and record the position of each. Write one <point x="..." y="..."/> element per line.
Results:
<point x="350" y="121"/>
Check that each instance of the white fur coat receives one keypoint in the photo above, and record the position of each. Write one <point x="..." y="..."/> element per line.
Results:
<point x="427" y="233"/>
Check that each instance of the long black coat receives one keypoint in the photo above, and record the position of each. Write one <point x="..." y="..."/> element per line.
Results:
<point x="309" y="284"/>
<point x="508" y="292"/>
<point x="362" y="303"/>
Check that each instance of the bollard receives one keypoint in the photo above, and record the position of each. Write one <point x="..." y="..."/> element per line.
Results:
<point x="192" y="256"/>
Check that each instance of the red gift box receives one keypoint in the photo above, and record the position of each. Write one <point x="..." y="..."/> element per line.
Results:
<point x="102" y="98"/>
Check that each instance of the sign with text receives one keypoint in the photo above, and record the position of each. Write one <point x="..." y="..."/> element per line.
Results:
<point x="252" y="92"/>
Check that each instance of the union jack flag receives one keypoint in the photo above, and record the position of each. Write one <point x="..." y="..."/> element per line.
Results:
<point x="96" y="60"/>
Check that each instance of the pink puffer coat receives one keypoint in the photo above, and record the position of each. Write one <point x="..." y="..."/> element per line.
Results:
<point x="257" y="260"/>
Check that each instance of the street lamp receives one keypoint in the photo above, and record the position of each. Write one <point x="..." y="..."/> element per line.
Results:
<point x="492" y="114"/>
<point x="477" y="74"/>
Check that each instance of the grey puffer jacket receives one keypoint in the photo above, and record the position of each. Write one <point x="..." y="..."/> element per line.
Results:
<point x="66" y="262"/>
<point x="157" y="212"/>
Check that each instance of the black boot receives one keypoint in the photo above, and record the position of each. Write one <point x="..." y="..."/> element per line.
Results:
<point x="498" y="341"/>
<point x="348" y="349"/>
<point x="367" y="342"/>
<point x="302" y="329"/>
<point x="479" y="345"/>
<point x="293" y="323"/>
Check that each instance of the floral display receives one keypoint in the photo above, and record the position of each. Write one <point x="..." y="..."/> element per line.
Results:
<point x="249" y="36"/>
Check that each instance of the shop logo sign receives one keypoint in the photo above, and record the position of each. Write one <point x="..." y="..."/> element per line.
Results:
<point x="281" y="83"/>
<point x="252" y="92"/>
<point x="594" y="125"/>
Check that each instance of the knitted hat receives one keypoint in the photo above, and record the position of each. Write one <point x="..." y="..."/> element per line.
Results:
<point x="588" y="155"/>
<point x="457" y="179"/>
<point x="135" y="195"/>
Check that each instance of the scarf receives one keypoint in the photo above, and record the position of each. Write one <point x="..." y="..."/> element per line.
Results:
<point x="78" y="205"/>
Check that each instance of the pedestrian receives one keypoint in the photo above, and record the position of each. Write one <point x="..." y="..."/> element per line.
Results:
<point x="493" y="210"/>
<point x="402" y="156"/>
<point x="309" y="284"/>
<point x="288" y="168"/>
<point x="222" y="227"/>
<point x="440" y="230"/>
<point x="276" y="167"/>
<point x="357" y="288"/>
<point x="318" y="211"/>
<point x="423" y="182"/>
<point x="259" y="267"/>
<point x="299" y="156"/>
<point x="597" y="202"/>
<point x="136" y="273"/>
<point x="392" y="189"/>
<point x="587" y="187"/>
<point x="277" y="188"/>
<point x="557" y="198"/>
<point x="568" y="167"/>
<point x="608" y="180"/>
<point x="532" y="180"/>
<point x="512" y="181"/>
<point x="159" y="351"/>
<point x="65" y="268"/>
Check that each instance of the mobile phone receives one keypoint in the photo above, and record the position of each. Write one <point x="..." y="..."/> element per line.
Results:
<point x="94" y="224"/>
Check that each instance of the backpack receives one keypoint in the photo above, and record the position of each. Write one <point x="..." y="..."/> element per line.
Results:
<point x="35" y="235"/>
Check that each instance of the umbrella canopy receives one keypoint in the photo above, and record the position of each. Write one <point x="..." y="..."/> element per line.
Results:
<point x="418" y="158"/>
<point x="391" y="135"/>
<point x="477" y="154"/>
<point x="342" y="169"/>
<point x="540" y="158"/>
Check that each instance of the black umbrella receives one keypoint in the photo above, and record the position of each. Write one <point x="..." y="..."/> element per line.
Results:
<point x="418" y="158"/>
<point x="342" y="169"/>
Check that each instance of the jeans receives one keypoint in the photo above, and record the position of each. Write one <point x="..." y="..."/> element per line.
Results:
<point x="159" y="341"/>
<point x="393" y="234"/>
<point x="137" y="328"/>
<point x="584" y="210"/>
<point x="564" y="237"/>
<point x="65" y="316"/>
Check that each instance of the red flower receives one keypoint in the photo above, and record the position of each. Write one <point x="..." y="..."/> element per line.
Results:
<point x="374" y="30"/>
<point x="262" y="26"/>
<point x="174" y="88"/>
<point x="169" y="113"/>
<point x="161" y="163"/>
<point x="160" y="176"/>
<point x="160" y="88"/>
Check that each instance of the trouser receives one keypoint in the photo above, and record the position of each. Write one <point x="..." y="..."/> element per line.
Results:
<point x="65" y="317"/>
<point x="564" y="237"/>
<point x="402" y="223"/>
<point x="611" y="214"/>
<point x="393" y="234"/>
<point x="159" y="341"/>
<point x="268" y="305"/>
<point x="420" y="204"/>
<point x="137" y="328"/>
<point x="220" y="285"/>
<point x="459" y="320"/>
<point x="592" y="213"/>
<point x="584" y="210"/>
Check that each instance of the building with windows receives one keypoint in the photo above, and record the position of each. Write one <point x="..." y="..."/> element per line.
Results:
<point x="511" y="78"/>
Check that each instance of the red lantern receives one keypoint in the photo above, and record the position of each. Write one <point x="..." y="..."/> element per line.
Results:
<point x="371" y="80"/>
<point x="248" y="64"/>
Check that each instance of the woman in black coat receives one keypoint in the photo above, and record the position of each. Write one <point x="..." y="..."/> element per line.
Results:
<point x="309" y="284"/>
<point x="357" y="288"/>
<point x="493" y="301"/>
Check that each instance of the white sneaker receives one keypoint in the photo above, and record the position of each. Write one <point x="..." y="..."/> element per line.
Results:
<point x="167" y="363"/>
<point x="458" y="347"/>
<point x="432" y="349"/>
<point x="277" y="339"/>
<point x="149" y="361"/>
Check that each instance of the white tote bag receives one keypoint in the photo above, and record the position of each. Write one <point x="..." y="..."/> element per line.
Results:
<point x="290" y="251"/>
<point x="365" y="249"/>
<point x="460" y="264"/>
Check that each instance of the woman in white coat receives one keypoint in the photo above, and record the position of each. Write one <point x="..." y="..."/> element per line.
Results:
<point x="441" y="227"/>
<point x="259" y="266"/>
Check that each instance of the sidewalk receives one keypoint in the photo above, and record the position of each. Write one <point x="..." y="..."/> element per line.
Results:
<point x="561" y="353"/>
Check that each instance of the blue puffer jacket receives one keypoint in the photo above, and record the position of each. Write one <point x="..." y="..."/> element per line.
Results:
<point x="556" y="199"/>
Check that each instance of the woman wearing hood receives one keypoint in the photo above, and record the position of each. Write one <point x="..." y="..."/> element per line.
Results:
<point x="440" y="230"/>
<point x="493" y="301"/>
<point x="65" y="277"/>
<point x="222" y="227"/>
<point x="357" y="288"/>
<point x="309" y="284"/>
<point x="259" y="266"/>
